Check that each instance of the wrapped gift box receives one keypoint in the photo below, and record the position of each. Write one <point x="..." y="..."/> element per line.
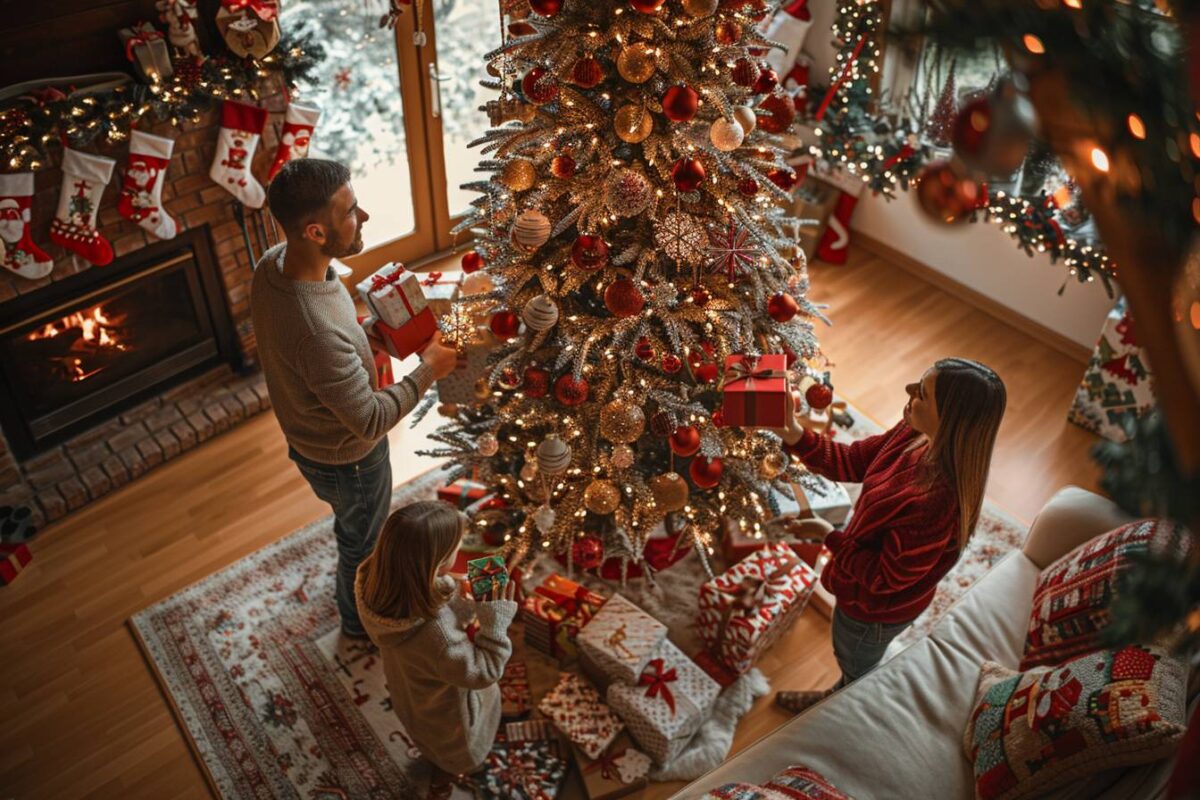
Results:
<point x="402" y="342"/>
<point x="486" y="576"/>
<point x="529" y="770"/>
<point x="459" y="386"/>
<point x="745" y="609"/>
<point x="441" y="289"/>
<point x="577" y="710"/>
<point x="555" y="613"/>
<point x="620" y="639"/>
<point x="530" y="730"/>
<point x="1117" y="380"/>
<point x="620" y="770"/>
<point x="462" y="493"/>
<point x="723" y="675"/>
<point x="515" y="697"/>
<point x="814" y="204"/>
<point x="383" y="360"/>
<point x="147" y="49"/>
<point x="668" y="702"/>
<point x="394" y="295"/>
<point x="13" y="559"/>
<point x="832" y="503"/>
<point x="250" y="29"/>
<point x="755" y="392"/>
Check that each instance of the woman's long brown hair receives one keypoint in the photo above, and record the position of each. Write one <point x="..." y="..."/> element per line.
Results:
<point x="399" y="578"/>
<point x="970" y="404"/>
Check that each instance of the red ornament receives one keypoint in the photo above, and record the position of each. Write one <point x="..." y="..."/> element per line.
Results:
<point x="570" y="392"/>
<point x="647" y="6"/>
<point x="589" y="252"/>
<point x="945" y="194"/>
<point x="643" y="349"/>
<point x="623" y="298"/>
<point x="776" y="113"/>
<point x="727" y="32"/>
<point x="505" y="324"/>
<point x="539" y="86"/>
<point x="562" y="166"/>
<point x="685" y="441"/>
<point x="588" y="552"/>
<point x="509" y="379"/>
<point x="745" y="72"/>
<point x="494" y="533"/>
<point x="537" y="382"/>
<point x="472" y="262"/>
<point x="706" y="373"/>
<point x="767" y="80"/>
<point x="700" y="296"/>
<point x="785" y="179"/>
<point x="688" y="174"/>
<point x="748" y="187"/>
<point x="519" y="29"/>
<point x="782" y="307"/>
<point x="695" y="358"/>
<point x="661" y="424"/>
<point x="705" y="472"/>
<point x="587" y="72"/>
<point x="680" y="102"/>
<point x="718" y="417"/>
<point x="671" y="363"/>
<point x="819" y="396"/>
<point x="546" y="8"/>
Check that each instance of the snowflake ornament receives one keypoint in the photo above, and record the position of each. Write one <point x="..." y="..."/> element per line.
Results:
<point x="681" y="238"/>
<point x="731" y="250"/>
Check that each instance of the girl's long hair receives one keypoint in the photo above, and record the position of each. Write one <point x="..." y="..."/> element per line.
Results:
<point x="970" y="404"/>
<point x="399" y="578"/>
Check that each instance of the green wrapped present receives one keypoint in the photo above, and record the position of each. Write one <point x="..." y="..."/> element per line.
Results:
<point x="486" y="575"/>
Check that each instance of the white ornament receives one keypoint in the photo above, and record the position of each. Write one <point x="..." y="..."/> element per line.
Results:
<point x="622" y="456"/>
<point x="726" y="135"/>
<point x="543" y="518"/>
<point x="553" y="456"/>
<point x="540" y="313"/>
<point x="488" y="445"/>
<point x="746" y="118"/>
<point x="531" y="230"/>
<point x="477" y="283"/>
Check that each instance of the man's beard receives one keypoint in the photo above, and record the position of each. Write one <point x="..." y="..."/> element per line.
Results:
<point x="337" y="248"/>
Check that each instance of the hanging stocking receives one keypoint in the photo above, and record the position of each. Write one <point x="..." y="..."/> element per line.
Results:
<point x="141" y="193"/>
<point x="21" y="255"/>
<point x="835" y="242"/>
<point x="241" y="127"/>
<point x="74" y="225"/>
<point x="298" y="124"/>
<point x="789" y="27"/>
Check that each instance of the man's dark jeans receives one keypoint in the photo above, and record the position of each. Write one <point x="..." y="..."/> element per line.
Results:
<point x="360" y="494"/>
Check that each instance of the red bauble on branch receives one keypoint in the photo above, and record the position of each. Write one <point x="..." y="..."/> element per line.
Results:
<point x="539" y="86"/>
<point x="782" y="307"/>
<point x="945" y="194"/>
<point x="537" y="382"/>
<point x="562" y="166"/>
<point x="647" y="6"/>
<point x="991" y="133"/>
<point x="727" y="32"/>
<point x="589" y="252"/>
<point x="747" y="187"/>
<point x="819" y="396"/>
<point x="685" y="441"/>
<point x="705" y="472"/>
<point x="688" y="174"/>
<point x="706" y="373"/>
<point x="745" y="72"/>
<point x="672" y="363"/>
<point x="777" y="113"/>
<point x="546" y="8"/>
<point x="767" y="80"/>
<point x="700" y="297"/>
<point x="472" y="262"/>
<point x="623" y="298"/>
<point x="661" y="424"/>
<point x="571" y="392"/>
<point x="643" y="349"/>
<point x="680" y="103"/>
<point x="587" y="72"/>
<point x="785" y="178"/>
<point x="588" y="552"/>
<point x="505" y="324"/>
<point x="718" y="417"/>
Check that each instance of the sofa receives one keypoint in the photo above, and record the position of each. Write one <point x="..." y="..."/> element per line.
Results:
<point x="897" y="732"/>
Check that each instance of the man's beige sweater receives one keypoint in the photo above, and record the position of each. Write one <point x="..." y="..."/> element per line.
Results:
<point x="319" y="368"/>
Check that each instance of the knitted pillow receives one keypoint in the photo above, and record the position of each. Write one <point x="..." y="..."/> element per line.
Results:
<point x="794" y="783"/>
<point x="1034" y="731"/>
<point x="1070" y="603"/>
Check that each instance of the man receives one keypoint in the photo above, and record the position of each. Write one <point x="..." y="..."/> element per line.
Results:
<point x="319" y="367"/>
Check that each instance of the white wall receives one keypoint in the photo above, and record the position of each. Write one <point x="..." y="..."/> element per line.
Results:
<point x="983" y="257"/>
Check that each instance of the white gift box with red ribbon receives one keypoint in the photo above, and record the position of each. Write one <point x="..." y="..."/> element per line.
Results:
<point x="394" y="295"/>
<point x="745" y="609"/>
<point x="620" y="639"/>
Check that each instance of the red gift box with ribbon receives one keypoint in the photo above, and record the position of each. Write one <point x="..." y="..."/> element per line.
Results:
<point x="462" y="493"/>
<point x="13" y="559"/>
<point x="555" y="613"/>
<point x="755" y="392"/>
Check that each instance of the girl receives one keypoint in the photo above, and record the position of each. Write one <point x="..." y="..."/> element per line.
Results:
<point x="443" y="686"/>
<point x="922" y="488"/>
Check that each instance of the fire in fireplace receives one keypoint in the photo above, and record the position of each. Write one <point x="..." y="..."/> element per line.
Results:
<point x="90" y="338"/>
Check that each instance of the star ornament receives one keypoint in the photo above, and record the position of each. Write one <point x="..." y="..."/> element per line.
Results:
<point x="731" y="250"/>
<point x="681" y="238"/>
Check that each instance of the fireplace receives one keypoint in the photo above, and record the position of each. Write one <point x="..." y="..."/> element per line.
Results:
<point x="98" y="343"/>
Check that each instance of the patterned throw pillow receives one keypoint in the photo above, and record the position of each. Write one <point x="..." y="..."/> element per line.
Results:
<point x="1034" y="731"/>
<point x="794" y="783"/>
<point x="1071" y="601"/>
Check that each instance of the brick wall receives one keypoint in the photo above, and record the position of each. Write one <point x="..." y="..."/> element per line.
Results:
<point x="110" y="455"/>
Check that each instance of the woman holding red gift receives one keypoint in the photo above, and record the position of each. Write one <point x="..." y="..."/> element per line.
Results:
<point x="922" y="489"/>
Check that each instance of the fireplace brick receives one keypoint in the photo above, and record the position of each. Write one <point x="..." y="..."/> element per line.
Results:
<point x="213" y="194"/>
<point x="74" y="492"/>
<point x="191" y="183"/>
<point x="219" y="416"/>
<point x="99" y="433"/>
<point x="234" y="408"/>
<point x="51" y="475"/>
<point x="192" y="161"/>
<point x="9" y="476"/>
<point x="46" y="459"/>
<point x="264" y="398"/>
<point x="195" y="386"/>
<point x="202" y="425"/>
<point x="164" y="417"/>
<point x="184" y="434"/>
<point x="129" y="243"/>
<point x="89" y="456"/>
<point x="96" y="481"/>
<point x="128" y="437"/>
<point x="52" y="504"/>
<point x="116" y="470"/>
<point x="7" y="291"/>
<point x="211" y="214"/>
<point x="168" y="444"/>
<point x="152" y="454"/>
<point x="136" y="415"/>
<point x="249" y="400"/>
<point x="133" y="462"/>
<point x="18" y="494"/>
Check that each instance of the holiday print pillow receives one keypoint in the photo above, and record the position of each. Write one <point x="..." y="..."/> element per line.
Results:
<point x="1073" y="595"/>
<point x="794" y="783"/>
<point x="1034" y="731"/>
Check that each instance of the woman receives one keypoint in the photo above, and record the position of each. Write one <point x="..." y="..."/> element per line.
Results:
<point x="442" y="684"/>
<point x="922" y="488"/>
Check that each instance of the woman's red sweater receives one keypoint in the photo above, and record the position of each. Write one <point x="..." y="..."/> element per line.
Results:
<point x="903" y="535"/>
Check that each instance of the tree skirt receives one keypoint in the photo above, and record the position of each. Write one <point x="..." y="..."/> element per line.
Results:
<point x="277" y="705"/>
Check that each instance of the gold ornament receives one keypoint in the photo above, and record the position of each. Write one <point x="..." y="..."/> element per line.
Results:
<point x="636" y="62"/>
<point x="746" y="118"/>
<point x="553" y="456"/>
<point x="700" y="8"/>
<point x="622" y="421"/>
<point x="726" y="135"/>
<point x="670" y="491"/>
<point x="482" y="390"/>
<point x="530" y="230"/>
<point x="633" y="123"/>
<point x="528" y="471"/>
<point x="601" y="497"/>
<point x="519" y="175"/>
<point x="622" y="456"/>
<point x="773" y="465"/>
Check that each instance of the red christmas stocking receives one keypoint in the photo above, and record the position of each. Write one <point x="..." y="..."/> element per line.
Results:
<point x="74" y="225"/>
<point x="789" y="27"/>
<point x="298" y="124"/>
<point x="141" y="193"/>
<point x="241" y="128"/>
<point x="834" y="246"/>
<point x="21" y="255"/>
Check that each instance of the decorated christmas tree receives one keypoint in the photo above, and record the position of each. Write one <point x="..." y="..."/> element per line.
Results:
<point x="644" y="294"/>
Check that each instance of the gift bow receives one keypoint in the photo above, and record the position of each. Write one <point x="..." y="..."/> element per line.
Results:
<point x="748" y="370"/>
<point x="570" y="603"/>
<point x="750" y="592"/>
<point x="143" y="33"/>
<point x="265" y="10"/>
<point x="378" y="280"/>
<point x="432" y="279"/>
<point x="607" y="764"/>
<point x="491" y="569"/>
<point x="656" y="683"/>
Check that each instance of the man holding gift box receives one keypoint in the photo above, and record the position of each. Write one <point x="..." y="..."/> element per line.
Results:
<point x="319" y="364"/>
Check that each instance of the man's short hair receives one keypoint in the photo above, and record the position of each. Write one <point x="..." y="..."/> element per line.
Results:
<point x="303" y="189"/>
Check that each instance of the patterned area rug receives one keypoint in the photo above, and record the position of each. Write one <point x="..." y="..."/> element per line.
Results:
<point x="277" y="705"/>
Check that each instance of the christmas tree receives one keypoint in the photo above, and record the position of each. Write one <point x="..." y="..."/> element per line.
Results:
<point x="941" y="119"/>
<point x="632" y="222"/>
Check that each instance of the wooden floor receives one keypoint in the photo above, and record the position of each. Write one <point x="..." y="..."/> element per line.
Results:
<point x="80" y="712"/>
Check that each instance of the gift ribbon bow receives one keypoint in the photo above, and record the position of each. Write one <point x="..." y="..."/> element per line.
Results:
<point x="432" y="279"/>
<point x="749" y="593"/>
<point x="489" y="570"/>
<point x="749" y="371"/>
<point x="607" y="764"/>
<point x="378" y="280"/>
<point x="265" y="10"/>
<point x="656" y="683"/>
<point x="570" y="603"/>
<point x="143" y="33"/>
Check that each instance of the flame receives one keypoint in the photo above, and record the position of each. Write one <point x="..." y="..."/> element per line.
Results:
<point x="98" y="330"/>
